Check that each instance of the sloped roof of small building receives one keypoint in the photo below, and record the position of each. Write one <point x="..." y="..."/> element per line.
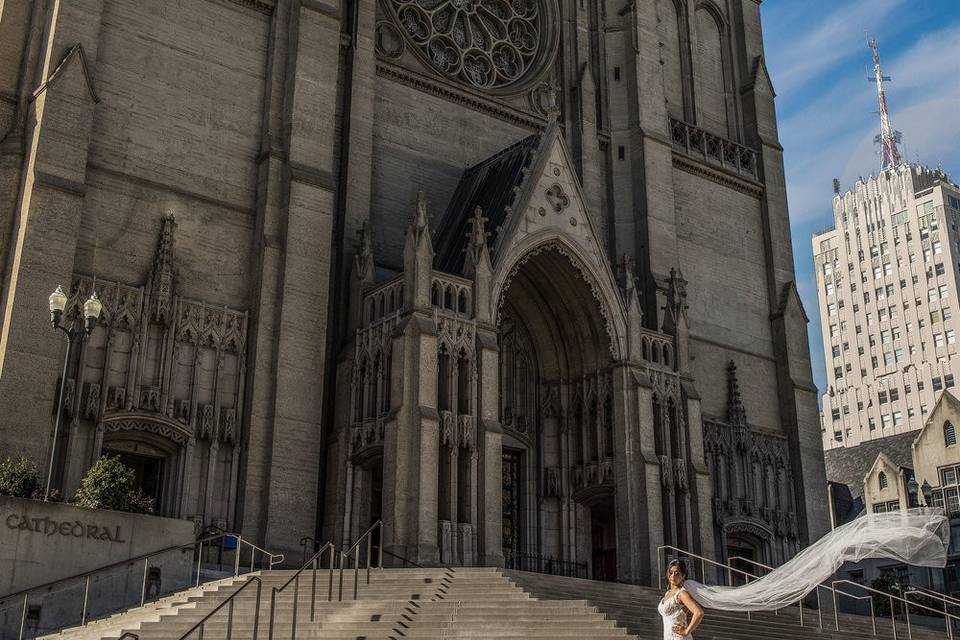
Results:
<point x="849" y="465"/>
<point x="489" y="185"/>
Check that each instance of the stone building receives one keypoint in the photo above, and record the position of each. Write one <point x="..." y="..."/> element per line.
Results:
<point x="887" y="274"/>
<point x="918" y="468"/>
<point x="513" y="276"/>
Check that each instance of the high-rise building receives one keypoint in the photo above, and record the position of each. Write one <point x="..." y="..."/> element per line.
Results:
<point x="887" y="273"/>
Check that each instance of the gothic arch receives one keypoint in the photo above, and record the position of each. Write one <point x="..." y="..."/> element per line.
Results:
<point x="601" y="285"/>
<point x="675" y="57"/>
<point x="714" y="70"/>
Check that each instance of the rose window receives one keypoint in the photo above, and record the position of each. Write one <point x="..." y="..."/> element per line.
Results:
<point x="485" y="43"/>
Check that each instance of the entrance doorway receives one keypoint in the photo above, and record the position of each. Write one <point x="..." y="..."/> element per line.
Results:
<point x="603" y="540"/>
<point x="741" y="554"/>
<point x="512" y="469"/>
<point x="147" y="469"/>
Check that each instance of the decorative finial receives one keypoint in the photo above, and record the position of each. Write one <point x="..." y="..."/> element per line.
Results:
<point x="421" y="221"/>
<point x="736" y="413"/>
<point x="677" y="292"/>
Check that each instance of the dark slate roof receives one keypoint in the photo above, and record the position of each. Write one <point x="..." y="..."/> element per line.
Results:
<point x="848" y="465"/>
<point x="488" y="185"/>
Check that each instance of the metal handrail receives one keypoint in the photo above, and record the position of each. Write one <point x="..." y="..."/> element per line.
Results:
<point x="893" y="617"/>
<point x="404" y="560"/>
<point x="355" y="549"/>
<point x="313" y="562"/>
<point x="934" y="594"/>
<point x="229" y="601"/>
<point x="822" y="585"/>
<point x="274" y="558"/>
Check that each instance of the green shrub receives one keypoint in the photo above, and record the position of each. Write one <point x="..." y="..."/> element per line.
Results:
<point x="110" y="484"/>
<point x="18" y="478"/>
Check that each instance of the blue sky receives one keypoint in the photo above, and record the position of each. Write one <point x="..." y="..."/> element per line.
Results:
<point x="818" y="59"/>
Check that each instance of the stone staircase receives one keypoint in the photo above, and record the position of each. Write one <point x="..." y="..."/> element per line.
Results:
<point x="635" y="608"/>
<point x="398" y="603"/>
<point x="480" y="603"/>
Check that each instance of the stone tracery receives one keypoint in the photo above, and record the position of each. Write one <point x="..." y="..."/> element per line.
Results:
<point x="484" y="43"/>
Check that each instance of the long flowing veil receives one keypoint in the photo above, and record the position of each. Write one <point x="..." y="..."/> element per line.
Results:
<point x="916" y="536"/>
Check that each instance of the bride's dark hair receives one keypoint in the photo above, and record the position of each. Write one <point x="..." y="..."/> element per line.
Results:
<point x="680" y="565"/>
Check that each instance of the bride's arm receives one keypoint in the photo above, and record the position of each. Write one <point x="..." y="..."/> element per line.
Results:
<point x="696" y="613"/>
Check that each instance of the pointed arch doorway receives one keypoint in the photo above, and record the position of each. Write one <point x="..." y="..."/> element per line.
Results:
<point x="556" y="407"/>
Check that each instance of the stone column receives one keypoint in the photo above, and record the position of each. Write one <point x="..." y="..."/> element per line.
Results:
<point x="645" y="510"/>
<point x="700" y="485"/>
<point x="490" y="449"/>
<point x="294" y="235"/>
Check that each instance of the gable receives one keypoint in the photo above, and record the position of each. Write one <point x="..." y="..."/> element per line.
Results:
<point x="551" y="203"/>
<point x="931" y="434"/>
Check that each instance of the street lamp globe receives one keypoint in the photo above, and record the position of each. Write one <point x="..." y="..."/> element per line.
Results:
<point x="91" y="311"/>
<point x="912" y="489"/>
<point x="927" y="492"/>
<point x="58" y="302"/>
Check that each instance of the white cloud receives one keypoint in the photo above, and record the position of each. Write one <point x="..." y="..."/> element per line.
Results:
<point x="839" y="35"/>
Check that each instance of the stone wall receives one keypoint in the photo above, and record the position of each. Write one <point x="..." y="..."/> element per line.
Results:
<point x="45" y="541"/>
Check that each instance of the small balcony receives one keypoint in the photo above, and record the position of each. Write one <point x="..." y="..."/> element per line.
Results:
<point x="712" y="149"/>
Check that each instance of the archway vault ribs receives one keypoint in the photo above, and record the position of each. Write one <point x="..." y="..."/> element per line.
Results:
<point x="603" y="304"/>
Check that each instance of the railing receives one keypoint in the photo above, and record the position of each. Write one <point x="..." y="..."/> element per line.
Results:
<point x="947" y="601"/>
<point x="229" y="602"/>
<point x="539" y="563"/>
<point x="893" y="612"/>
<point x="337" y="560"/>
<point x="355" y="550"/>
<point x="313" y="563"/>
<point x="404" y="561"/>
<point x="87" y="577"/>
<point x="873" y="620"/>
<point x="696" y="142"/>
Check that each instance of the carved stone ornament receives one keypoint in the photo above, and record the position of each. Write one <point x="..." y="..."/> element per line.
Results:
<point x="485" y="44"/>
<point x="557" y="198"/>
<point x="388" y="40"/>
<point x="581" y="270"/>
<point x="544" y="99"/>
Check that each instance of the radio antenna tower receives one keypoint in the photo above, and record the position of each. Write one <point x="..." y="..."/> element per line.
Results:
<point x="888" y="139"/>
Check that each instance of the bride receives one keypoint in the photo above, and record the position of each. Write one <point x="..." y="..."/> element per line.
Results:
<point x="915" y="536"/>
<point x="676" y="603"/>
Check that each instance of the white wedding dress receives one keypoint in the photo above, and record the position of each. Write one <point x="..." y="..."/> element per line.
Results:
<point x="672" y="612"/>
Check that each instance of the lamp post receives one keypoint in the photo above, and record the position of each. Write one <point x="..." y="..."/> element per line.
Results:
<point x="915" y="491"/>
<point x="91" y="313"/>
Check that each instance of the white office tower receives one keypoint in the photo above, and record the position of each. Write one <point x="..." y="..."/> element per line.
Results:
<point x="887" y="274"/>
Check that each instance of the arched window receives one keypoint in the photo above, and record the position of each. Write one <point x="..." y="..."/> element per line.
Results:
<point x="882" y="479"/>
<point x="949" y="434"/>
<point x="711" y="82"/>
<point x="671" y="53"/>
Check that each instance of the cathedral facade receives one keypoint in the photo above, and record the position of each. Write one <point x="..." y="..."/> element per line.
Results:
<point x="512" y="276"/>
